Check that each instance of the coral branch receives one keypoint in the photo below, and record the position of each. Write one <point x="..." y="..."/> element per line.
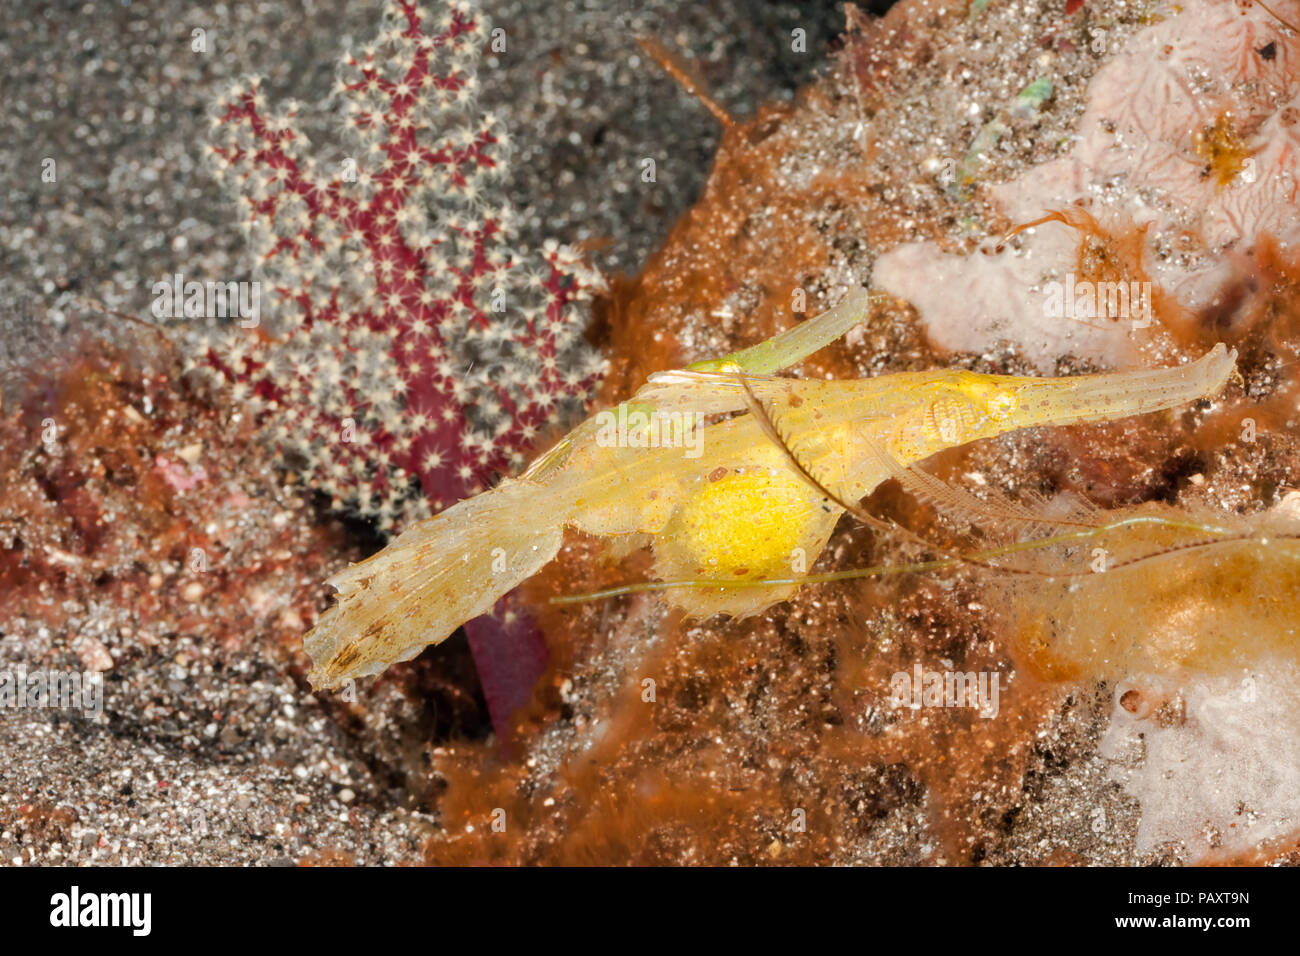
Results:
<point x="407" y="346"/>
<point x="410" y="359"/>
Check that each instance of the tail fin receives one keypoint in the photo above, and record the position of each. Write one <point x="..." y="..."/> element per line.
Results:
<point x="432" y="578"/>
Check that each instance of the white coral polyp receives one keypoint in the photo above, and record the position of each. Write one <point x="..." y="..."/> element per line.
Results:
<point x="1135" y="162"/>
<point x="1221" y="772"/>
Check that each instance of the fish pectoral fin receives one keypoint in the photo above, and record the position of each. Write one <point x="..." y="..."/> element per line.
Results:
<point x="995" y="508"/>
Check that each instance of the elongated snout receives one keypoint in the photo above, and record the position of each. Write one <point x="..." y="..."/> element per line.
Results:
<point x="1086" y="398"/>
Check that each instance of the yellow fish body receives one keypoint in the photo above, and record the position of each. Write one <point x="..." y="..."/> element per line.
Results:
<point x="720" y="500"/>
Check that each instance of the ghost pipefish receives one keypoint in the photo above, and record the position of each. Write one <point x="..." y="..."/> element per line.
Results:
<point x="720" y="501"/>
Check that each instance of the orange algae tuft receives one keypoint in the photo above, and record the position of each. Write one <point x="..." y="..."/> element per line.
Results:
<point x="754" y="718"/>
<point x="1225" y="153"/>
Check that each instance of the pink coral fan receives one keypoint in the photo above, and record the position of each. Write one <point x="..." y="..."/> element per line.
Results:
<point x="407" y="343"/>
<point x="411" y="358"/>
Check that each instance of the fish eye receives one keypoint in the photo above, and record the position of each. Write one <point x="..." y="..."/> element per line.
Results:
<point x="1001" y="404"/>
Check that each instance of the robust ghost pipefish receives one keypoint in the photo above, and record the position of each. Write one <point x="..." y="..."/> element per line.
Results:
<point x="720" y="501"/>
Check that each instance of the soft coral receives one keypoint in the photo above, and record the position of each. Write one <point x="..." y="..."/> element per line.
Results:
<point x="408" y="351"/>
